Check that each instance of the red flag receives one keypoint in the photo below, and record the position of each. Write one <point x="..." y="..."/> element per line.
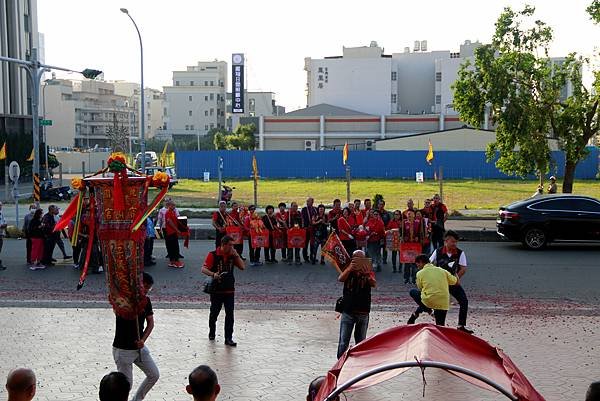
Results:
<point x="335" y="252"/>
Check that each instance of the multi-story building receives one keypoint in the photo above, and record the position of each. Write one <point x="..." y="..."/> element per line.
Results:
<point x="83" y="111"/>
<point x="195" y="103"/>
<point x="368" y="80"/>
<point x="154" y="107"/>
<point x="18" y="37"/>
<point x="256" y="104"/>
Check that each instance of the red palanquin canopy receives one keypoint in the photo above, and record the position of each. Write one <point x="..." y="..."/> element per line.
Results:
<point x="428" y="342"/>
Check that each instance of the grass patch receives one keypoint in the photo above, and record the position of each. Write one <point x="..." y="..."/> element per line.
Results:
<point x="458" y="194"/>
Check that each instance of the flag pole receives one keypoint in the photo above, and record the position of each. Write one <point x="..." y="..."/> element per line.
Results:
<point x="441" y="178"/>
<point x="347" y="183"/>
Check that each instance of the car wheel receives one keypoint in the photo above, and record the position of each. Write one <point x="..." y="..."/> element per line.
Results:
<point x="535" y="238"/>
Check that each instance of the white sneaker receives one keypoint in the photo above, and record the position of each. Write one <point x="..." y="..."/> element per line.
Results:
<point x="32" y="267"/>
<point x="100" y="269"/>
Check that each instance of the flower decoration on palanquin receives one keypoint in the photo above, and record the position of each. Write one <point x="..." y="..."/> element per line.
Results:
<point x="117" y="162"/>
<point x="160" y="179"/>
<point x="78" y="184"/>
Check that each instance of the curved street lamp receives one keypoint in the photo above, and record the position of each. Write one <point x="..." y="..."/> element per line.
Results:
<point x="142" y="100"/>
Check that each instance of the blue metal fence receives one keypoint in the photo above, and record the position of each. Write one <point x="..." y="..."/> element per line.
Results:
<point x="364" y="164"/>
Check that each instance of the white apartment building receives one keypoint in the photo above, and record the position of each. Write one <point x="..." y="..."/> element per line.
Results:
<point x="18" y="37"/>
<point x="83" y="111"/>
<point x="154" y="107"/>
<point x="368" y="80"/>
<point x="195" y="103"/>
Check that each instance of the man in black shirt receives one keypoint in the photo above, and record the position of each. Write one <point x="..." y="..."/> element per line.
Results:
<point x="358" y="278"/>
<point x="219" y="264"/>
<point x="129" y="345"/>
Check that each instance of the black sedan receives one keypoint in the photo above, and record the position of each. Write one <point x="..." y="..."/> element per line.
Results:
<point x="543" y="219"/>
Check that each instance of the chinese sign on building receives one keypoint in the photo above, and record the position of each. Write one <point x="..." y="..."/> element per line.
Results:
<point x="237" y="83"/>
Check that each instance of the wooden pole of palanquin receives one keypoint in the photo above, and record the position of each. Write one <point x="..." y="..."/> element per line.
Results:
<point x="255" y="191"/>
<point x="348" y="183"/>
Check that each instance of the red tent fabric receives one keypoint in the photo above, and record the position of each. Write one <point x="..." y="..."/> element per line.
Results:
<point x="428" y="342"/>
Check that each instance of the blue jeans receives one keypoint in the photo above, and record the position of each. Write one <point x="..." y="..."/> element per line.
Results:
<point x="358" y="322"/>
<point x="374" y="252"/>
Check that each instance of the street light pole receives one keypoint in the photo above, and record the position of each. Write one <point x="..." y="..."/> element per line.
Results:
<point x="142" y="100"/>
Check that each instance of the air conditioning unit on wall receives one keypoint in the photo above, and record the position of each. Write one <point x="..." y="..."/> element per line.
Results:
<point x="310" y="144"/>
<point x="369" y="144"/>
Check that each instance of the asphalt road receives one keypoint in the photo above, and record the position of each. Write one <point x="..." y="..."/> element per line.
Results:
<point x="501" y="276"/>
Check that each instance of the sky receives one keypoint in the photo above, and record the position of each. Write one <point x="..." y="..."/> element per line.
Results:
<point x="276" y="35"/>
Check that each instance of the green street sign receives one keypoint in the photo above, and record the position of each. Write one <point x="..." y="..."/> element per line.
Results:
<point x="45" y="122"/>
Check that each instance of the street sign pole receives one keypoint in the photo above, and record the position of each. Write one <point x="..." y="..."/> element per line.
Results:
<point x="14" y="172"/>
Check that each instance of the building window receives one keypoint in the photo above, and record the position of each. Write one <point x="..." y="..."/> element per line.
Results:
<point x="191" y="83"/>
<point x="320" y="77"/>
<point x="252" y="104"/>
<point x="192" y="127"/>
<point x="438" y="76"/>
<point x="176" y="83"/>
<point x="394" y="98"/>
<point x="212" y="111"/>
<point x="212" y="125"/>
<point x="190" y="113"/>
<point x="394" y="76"/>
<point x="190" y="98"/>
<point x="164" y="111"/>
<point x="212" y="83"/>
<point x="205" y="83"/>
<point x="206" y="113"/>
<point x="438" y="99"/>
<point x="206" y="98"/>
<point x="187" y="127"/>
<point x="206" y="127"/>
<point x="320" y="86"/>
<point x="212" y="96"/>
<point x="320" y="69"/>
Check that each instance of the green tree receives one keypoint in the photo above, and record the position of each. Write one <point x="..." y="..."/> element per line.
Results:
<point x="241" y="139"/>
<point x="516" y="86"/>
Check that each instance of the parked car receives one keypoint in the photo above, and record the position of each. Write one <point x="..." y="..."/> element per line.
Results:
<point x="551" y="218"/>
<point x="151" y="159"/>
<point x="169" y="170"/>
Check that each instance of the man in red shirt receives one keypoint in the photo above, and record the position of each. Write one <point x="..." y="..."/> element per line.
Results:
<point x="376" y="230"/>
<point x="281" y="217"/>
<point x="410" y="206"/>
<point x="219" y="221"/>
<point x="219" y="264"/>
<point x="365" y="213"/>
<point x="172" y="234"/>
<point x="439" y="215"/>
<point x="335" y="213"/>
<point x="234" y="219"/>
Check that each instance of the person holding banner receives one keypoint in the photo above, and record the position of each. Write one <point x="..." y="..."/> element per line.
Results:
<point x="334" y="214"/>
<point x="281" y="217"/>
<point x="219" y="222"/>
<point x="308" y="212"/>
<point x="320" y="233"/>
<point x="234" y="223"/>
<point x="345" y="231"/>
<point x="294" y="223"/>
<point x="411" y="237"/>
<point x="270" y="224"/>
<point x="376" y="230"/>
<point x="394" y="225"/>
<point x="172" y="234"/>
<point x="358" y="279"/>
<point x="257" y="231"/>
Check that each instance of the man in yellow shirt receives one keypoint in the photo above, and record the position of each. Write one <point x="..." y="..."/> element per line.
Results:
<point x="432" y="293"/>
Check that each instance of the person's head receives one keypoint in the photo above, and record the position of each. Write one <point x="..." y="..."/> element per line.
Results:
<point x="222" y="206"/>
<point x="226" y="244"/>
<point x="203" y="384"/>
<point x="356" y="204"/>
<point x="294" y="206"/>
<point x="367" y="203"/>
<point x="451" y="239"/>
<point x="37" y="214"/>
<point x="309" y="202"/>
<point x="21" y="384"/>
<point x="427" y="202"/>
<point x="346" y="212"/>
<point x="234" y="206"/>
<point x="593" y="392"/>
<point x="32" y="208"/>
<point x="421" y="260"/>
<point x="410" y="215"/>
<point x="436" y="199"/>
<point x="251" y="209"/>
<point x="337" y="203"/>
<point x="410" y="204"/>
<point x="397" y="215"/>
<point x="375" y="214"/>
<point x="350" y="206"/>
<point x="321" y="209"/>
<point x="52" y="209"/>
<point x="148" y="281"/>
<point x="358" y="254"/>
<point x="270" y="210"/>
<point x="314" y="387"/>
<point x="170" y="204"/>
<point x="418" y="215"/>
<point x="282" y="206"/>
<point x="114" y="387"/>
<point x="552" y="179"/>
<point x="381" y="204"/>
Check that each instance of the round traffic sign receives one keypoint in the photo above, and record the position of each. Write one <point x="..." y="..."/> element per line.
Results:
<point x="14" y="171"/>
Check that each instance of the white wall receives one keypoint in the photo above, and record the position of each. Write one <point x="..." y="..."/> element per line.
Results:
<point x="71" y="161"/>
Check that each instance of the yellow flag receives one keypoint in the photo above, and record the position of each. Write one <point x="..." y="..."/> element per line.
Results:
<point x="3" y="152"/>
<point x="31" y="156"/>
<point x="163" y="156"/>
<point x="429" y="156"/>
<point x="254" y="167"/>
<point x="345" y="154"/>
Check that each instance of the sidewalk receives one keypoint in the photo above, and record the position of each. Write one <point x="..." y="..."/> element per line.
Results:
<point x="280" y="352"/>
